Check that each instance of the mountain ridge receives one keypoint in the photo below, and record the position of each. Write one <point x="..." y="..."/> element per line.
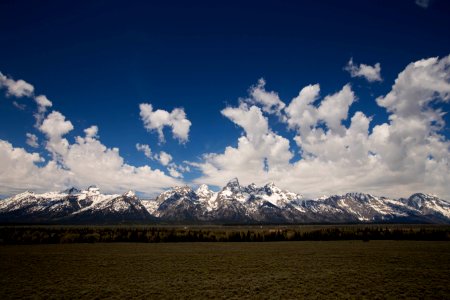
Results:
<point x="234" y="203"/>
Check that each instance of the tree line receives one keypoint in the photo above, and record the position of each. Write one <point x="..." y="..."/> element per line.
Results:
<point x="73" y="234"/>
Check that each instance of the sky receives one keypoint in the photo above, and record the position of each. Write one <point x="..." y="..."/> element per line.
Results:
<point x="320" y="97"/>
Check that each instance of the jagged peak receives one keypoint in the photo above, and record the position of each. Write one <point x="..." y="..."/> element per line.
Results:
<point x="129" y="194"/>
<point x="71" y="191"/>
<point x="358" y="195"/>
<point x="271" y="185"/>
<point x="92" y="188"/>
<point x="422" y="196"/>
<point x="202" y="189"/>
<point x="181" y="189"/>
<point x="24" y="194"/>
<point x="233" y="182"/>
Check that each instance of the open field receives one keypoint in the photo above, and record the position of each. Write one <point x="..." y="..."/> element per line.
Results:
<point x="311" y="269"/>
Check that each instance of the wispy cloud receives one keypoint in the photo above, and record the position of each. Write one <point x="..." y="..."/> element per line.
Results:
<point x="370" y="73"/>
<point x="423" y="3"/>
<point x="32" y="140"/>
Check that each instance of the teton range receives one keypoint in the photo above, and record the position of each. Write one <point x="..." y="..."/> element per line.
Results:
<point x="232" y="204"/>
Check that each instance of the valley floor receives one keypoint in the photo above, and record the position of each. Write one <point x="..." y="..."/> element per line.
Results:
<point x="286" y="270"/>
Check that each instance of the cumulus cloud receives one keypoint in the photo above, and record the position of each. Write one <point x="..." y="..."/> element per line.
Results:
<point x="17" y="88"/>
<point x="32" y="140"/>
<point x="55" y="125"/>
<point x="42" y="105"/>
<point x="82" y="163"/>
<point x="164" y="158"/>
<point x="144" y="149"/>
<point x="260" y="152"/>
<point x="407" y="154"/>
<point x="91" y="132"/>
<point x="370" y="73"/>
<point x="20" y="171"/>
<point x="174" y="173"/>
<point x="270" y="101"/>
<point x="158" y="119"/>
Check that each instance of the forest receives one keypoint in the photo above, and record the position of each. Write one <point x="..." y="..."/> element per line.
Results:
<point x="161" y="234"/>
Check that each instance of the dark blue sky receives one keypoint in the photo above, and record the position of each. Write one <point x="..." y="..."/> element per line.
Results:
<point x="97" y="60"/>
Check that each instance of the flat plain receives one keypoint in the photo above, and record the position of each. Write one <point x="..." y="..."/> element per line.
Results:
<point x="286" y="270"/>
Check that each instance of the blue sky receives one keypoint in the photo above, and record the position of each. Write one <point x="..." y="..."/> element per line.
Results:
<point x="97" y="62"/>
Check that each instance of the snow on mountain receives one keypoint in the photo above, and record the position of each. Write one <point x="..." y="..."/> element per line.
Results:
<point x="428" y="205"/>
<point x="233" y="203"/>
<point x="71" y="204"/>
<point x="179" y="203"/>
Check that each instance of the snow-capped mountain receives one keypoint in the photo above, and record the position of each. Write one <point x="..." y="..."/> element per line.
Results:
<point x="73" y="206"/>
<point x="232" y="204"/>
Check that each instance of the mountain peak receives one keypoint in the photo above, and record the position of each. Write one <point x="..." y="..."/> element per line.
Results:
<point x="203" y="189"/>
<point x="93" y="190"/>
<point x="272" y="188"/>
<point x="130" y="194"/>
<point x="232" y="204"/>
<point x="233" y="182"/>
<point x="71" y="191"/>
<point x="233" y="186"/>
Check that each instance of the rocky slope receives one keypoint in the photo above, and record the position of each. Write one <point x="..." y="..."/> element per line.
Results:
<point x="232" y="204"/>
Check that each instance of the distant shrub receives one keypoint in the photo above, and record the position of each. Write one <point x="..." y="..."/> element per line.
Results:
<point x="70" y="238"/>
<point x="91" y="238"/>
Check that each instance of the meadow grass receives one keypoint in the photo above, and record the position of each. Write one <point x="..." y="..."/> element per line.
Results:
<point x="280" y="270"/>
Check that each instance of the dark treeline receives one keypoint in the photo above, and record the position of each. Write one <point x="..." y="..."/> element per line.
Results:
<point x="74" y="234"/>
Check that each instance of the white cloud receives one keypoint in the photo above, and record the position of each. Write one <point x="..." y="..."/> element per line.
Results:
<point x="91" y="132"/>
<point x="270" y="101"/>
<point x="158" y="119"/>
<point x="55" y="127"/>
<point x="370" y="73"/>
<point x="407" y="154"/>
<point x="174" y="173"/>
<point x="32" y="140"/>
<point x="164" y="158"/>
<point x="20" y="88"/>
<point x="42" y="103"/>
<point x="303" y="115"/>
<point x="17" y="88"/>
<point x="145" y="149"/>
<point x="94" y="163"/>
<point x="257" y="149"/>
<point x="20" y="171"/>
<point x="423" y="3"/>
<point x="83" y="163"/>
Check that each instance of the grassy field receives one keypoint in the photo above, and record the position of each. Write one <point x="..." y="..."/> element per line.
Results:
<point x="287" y="270"/>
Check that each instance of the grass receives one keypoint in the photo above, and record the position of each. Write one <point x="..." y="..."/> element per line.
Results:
<point x="287" y="270"/>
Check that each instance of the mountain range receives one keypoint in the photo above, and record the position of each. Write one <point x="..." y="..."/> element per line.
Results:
<point x="232" y="204"/>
